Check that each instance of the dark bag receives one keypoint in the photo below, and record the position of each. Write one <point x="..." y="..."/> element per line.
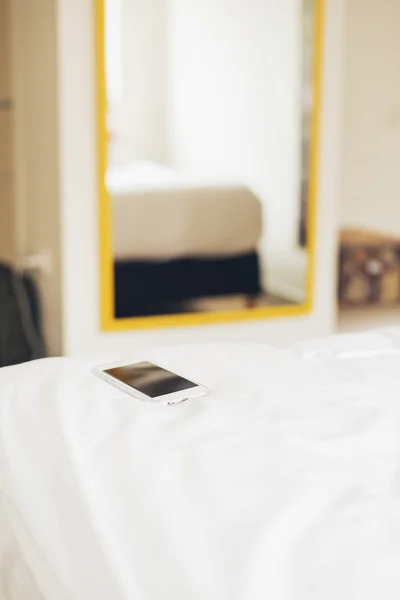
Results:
<point x="20" y="338"/>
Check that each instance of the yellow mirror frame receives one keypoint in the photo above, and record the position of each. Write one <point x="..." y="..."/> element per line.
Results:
<point x="107" y="320"/>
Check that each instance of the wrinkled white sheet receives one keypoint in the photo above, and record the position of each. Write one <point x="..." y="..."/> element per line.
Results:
<point x="284" y="483"/>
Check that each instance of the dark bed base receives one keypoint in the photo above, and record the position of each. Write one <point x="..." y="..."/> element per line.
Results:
<point x="144" y="288"/>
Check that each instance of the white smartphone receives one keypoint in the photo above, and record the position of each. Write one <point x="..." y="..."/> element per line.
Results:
<point x="146" y="381"/>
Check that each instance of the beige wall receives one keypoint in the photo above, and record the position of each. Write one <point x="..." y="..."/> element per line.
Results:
<point x="36" y="123"/>
<point x="371" y="144"/>
<point x="7" y="229"/>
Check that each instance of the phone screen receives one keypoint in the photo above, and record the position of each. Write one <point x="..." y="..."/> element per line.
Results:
<point x="150" y="380"/>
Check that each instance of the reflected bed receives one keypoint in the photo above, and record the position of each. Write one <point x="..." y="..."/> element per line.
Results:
<point x="178" y="236"/>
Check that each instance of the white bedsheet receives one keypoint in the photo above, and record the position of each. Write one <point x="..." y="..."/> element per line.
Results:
<point x="160" y="214"/>
<point x="283" y="484"/>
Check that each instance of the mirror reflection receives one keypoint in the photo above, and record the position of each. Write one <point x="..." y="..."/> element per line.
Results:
<point x="209" y="130"/>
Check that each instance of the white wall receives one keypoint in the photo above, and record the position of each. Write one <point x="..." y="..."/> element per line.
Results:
<point x="371" y="138"/>
<point x="139" y="121"/>
<point x="36" y="154"/>
<point x="81" y="333"/>
<point x="235" y="99"/>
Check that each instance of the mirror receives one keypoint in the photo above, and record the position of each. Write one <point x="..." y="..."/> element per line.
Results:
<point x="208" y="115"/>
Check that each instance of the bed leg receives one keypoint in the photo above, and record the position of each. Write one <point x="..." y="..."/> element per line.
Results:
<point x="251" y="301"/>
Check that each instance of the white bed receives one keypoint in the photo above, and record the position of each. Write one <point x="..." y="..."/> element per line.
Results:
<point x="283" y="484"/>
<point x="161" y="214"/>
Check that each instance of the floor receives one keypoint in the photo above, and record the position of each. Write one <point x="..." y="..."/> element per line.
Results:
<point x="233" y="303"/>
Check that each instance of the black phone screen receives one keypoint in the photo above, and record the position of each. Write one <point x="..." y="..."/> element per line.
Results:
<point x="151" y="380"/>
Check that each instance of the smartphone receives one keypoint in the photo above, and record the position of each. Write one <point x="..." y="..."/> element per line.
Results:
<point x="147" y="381"/>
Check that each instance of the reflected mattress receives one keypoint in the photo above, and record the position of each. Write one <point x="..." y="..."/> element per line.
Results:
<point x="164" y="215"/>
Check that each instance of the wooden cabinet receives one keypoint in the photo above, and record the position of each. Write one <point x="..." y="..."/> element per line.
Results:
<point x="369" y="269"/>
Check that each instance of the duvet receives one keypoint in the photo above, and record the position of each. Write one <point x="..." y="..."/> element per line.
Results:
<point x="284" y="483"/>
